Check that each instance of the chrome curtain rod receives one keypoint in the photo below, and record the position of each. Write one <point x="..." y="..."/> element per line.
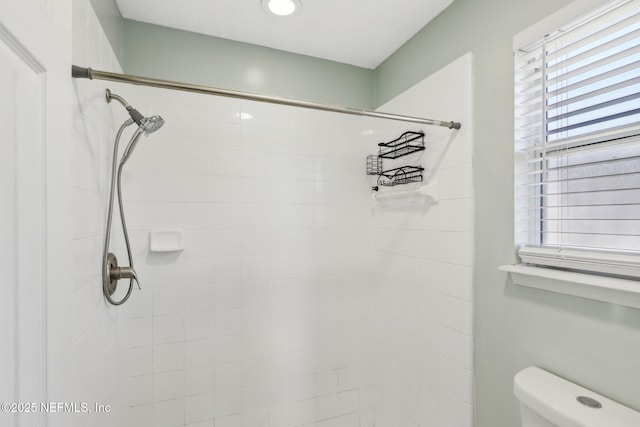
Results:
<point x="88" y="73"/>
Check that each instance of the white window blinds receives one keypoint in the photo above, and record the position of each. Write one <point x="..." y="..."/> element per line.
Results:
<point x="577" y="138"/>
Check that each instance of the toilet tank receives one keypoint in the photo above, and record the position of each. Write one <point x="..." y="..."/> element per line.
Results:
<point x="547" y="400"/>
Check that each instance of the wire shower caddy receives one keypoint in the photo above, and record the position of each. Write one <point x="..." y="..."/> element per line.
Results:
<point x="408" y="143"/>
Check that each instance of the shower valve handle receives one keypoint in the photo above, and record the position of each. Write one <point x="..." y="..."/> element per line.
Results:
<point x="119" y="273"/>
<point x="112" y="273"/>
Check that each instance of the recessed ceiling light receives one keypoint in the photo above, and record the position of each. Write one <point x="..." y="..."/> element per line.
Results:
<point x="282" y="7"/>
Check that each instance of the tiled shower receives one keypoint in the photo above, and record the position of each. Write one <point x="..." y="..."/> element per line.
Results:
<point x="298" y="300"/>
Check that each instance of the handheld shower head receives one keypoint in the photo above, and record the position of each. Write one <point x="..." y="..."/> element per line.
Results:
<point x="135" y="114"/>
<point x="146" y="125"/>
<point x="151" y="124"/>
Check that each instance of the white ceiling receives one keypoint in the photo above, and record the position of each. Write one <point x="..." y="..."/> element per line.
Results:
<point x="357" y="32"/>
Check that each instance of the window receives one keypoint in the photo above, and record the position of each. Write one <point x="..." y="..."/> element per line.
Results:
<point x="577" y="139"/>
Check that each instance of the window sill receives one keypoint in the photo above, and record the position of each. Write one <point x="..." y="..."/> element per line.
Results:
<point x="608" y="289"/>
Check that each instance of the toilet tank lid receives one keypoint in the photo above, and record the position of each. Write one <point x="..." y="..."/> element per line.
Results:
<point x="555" y="399"/>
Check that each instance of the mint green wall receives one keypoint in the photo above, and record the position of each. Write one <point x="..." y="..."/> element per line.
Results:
<point x="111" y="21"/>
<point x="161" y="52"/>
<point x="166" y="53"/>
<point x="592" y="343"/>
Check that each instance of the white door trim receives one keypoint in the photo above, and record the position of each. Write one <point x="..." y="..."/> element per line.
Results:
<point x="40" y="31"/>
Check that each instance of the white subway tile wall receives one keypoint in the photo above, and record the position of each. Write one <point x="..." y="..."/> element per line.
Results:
<point x="298" y="301"/>
<point x="266" y="317"/>
<point x="96" y="355"/>
<point x="423" y="316"/>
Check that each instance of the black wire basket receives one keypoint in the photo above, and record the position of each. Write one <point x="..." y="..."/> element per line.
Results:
<point x="407" y="143"/>
<point x="374" y="164"/>
<point x="402" y="175"/>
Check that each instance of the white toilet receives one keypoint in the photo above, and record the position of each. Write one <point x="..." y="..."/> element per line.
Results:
<point x="550" y="401"/>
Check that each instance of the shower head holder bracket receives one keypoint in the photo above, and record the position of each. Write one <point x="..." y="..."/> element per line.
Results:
<point x="110" y="96"/>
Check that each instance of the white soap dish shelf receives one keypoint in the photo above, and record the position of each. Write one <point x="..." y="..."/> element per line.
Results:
<point x="166" y="240"/>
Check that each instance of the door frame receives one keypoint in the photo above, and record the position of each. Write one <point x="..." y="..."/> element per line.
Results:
<point x="41" y="30"/>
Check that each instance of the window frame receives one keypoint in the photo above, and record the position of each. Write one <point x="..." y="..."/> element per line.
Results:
<point x="614" y="279"/>
<point x="616" y="263"/>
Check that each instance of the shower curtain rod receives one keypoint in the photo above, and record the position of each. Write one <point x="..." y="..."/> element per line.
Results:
<point x="88" y="73"/>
